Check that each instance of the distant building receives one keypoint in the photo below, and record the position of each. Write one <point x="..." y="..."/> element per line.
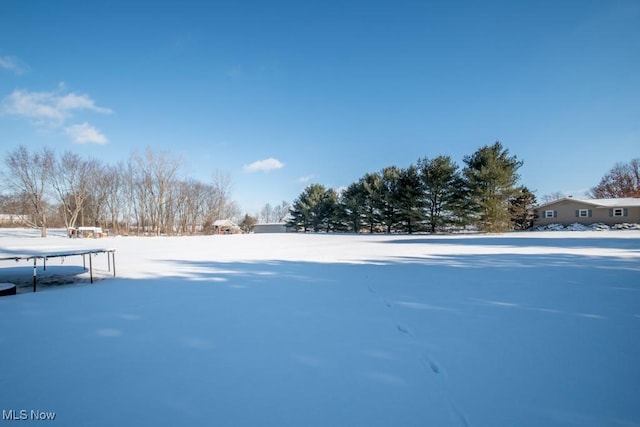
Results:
<point x="93" y="232"/>
<point x="11" y="219"/>
<point x="274" y="227"/>
<point x="568" y="211"/>
<point x="225" y="226"/>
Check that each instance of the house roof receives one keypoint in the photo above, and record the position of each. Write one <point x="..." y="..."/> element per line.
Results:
<point x="622" y="202"/>
<point x="223" y="223"/>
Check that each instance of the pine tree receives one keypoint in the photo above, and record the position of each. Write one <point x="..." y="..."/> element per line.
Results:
<point x="330" y="211"/>
<point x="444" y="192"/>
<point x="410" y="199"/>
<point x="491" y="176"/>
<point x="352" y="205"/>
<point x="316" y="209"/>
<point x="302" y="209"/>
<point x="390" y="197"/>
<point x="372" y="184"/>
<point x="521" y="209"/>
<point x="299" y="216"/>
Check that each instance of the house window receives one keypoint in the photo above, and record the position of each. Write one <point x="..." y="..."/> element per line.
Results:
<point x="549" y="214"/>
<point x="583" y="213"/>
<point x="618" y="212"/>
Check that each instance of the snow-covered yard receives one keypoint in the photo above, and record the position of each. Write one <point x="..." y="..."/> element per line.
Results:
<point x="522" y="329"/>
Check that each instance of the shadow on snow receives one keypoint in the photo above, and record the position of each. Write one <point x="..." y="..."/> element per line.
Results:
<point x="482" y="339"/>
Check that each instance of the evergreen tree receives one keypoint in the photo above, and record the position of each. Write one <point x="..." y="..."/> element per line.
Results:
<point x="521" y="209"/>
<point x="301" y="210"/>
<point x="372" y="184"/>
<point x="329" y="213"/>
<point x="390" y="197"/>
<point x="352" y="203"/>
<point x="410" y="199"/>
<point x="491" y="176"/>
<point x="444" y="192"/>
<point x="315" y="208"/>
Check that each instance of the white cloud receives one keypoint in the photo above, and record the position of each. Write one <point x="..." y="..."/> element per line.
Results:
<point x="52" y="110"/>
<point x="265" y="165"/>
<point x="48" y="108"/>
<point x="73" y="101"/>
<point x="13" y="64"/>
<point x="306" y="178"/>
<point x="85" y="133"/>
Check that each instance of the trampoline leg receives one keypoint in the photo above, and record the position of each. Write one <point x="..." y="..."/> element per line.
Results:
<point x="34" y="275"/>
<point x="113" y="254"/>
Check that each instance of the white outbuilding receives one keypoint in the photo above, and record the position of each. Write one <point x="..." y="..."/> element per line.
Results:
<point x="273" y="227"/>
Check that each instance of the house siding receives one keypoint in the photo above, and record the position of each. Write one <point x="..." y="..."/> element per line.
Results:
<point x="566" y="214"/>
<point x="271" y="228"/>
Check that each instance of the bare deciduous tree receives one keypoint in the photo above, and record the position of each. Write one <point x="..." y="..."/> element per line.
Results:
<point x="548" y="198"/>
<point x="29" y="173"/>
<point x="17" y="205"/>
<point x="146" y="192"/>
<point x="157" y="172"/>
<point x="219" y="197"/>
<point x="71" y="179"/>
<point x="623" y="180"/>
<point x="277" y="213"/>
<point x="266" y="214"/>
<point x="281" y="211"/>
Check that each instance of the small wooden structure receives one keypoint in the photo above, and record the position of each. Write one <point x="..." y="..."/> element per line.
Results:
<point x="92" y="232"/>
<point x="225" y="226"/>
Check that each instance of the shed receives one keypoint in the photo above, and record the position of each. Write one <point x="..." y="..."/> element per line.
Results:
<point x="273" y="227"/>
<point x="225" y="226"/>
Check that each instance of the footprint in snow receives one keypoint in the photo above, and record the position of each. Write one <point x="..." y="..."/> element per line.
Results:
<point x="402" y="328"/>
<point x="433" y="366"/>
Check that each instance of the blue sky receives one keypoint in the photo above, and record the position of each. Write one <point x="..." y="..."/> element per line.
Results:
<point x="326" y="91"/>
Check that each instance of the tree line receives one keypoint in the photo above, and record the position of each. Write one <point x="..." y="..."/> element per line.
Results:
<point x="146" y="194"/>
<point x="433" y="195"/>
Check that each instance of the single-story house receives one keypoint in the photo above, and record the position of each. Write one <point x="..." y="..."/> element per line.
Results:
<point x="274" y="227"/>
<point x="569" y="210"/>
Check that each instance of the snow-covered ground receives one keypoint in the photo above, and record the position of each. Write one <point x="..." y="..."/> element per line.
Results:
<point x="520" y="329"/>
